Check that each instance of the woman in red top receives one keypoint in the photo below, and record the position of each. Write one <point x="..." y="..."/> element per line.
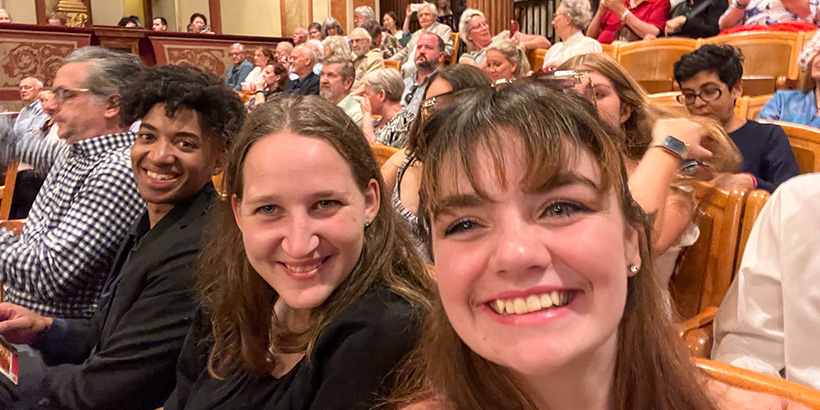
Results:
<point x="628" y="20"/>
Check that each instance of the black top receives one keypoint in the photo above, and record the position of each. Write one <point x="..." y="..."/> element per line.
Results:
<point x="766" y="153"/>
<point x="124" y="356"/>
<point x="702" y="17"/>
<point x="307" y="85"/>
<point x="348" y="369"/>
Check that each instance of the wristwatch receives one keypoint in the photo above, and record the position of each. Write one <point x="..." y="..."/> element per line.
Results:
<point x="673" y="146"/>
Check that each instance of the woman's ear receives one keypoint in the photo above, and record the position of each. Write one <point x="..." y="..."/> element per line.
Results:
<point x="626" y="112"/>
<point x="372" y="200"/>
<point x="632" y="249"/>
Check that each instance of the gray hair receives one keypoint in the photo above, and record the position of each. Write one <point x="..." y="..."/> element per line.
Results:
<point x="337" y="45"/>
<point x="464" y="25"/>
<point x="316" y="48"/>
<point x="387" y="80"/>
<point x="241" y="47"/>
<point x="331" y="22"/>
<point x="365" y="12"/>
<point x="109" y="72"/>
<point x="579" y="11"/>
<point x="286" y="44"/>
<point x="37" y="82"/>
<point x="431" y="6"/>
<point x="364" y="32"/>
<point x="346" y="70"/>
<point x="513" y="54"/>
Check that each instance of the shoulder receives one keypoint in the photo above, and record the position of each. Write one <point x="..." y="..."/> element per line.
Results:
<point x="730" y="397"/>
<point x="802" y="189"/>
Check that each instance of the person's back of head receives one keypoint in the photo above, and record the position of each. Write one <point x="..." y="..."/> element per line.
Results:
<point x="724" y="60"/>
<point x="316" y="48"/>
<point x="336" y="45"/>
<point x="374" y="29"/>
<point x="387" y="80"/>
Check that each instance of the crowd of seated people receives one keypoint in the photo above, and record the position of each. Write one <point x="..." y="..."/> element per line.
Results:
<point x="514" y="252"/>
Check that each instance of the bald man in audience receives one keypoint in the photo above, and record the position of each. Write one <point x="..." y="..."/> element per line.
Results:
<point x="59" y="263"/>
<point x="300" y="35"/>
<point x="302" y="60"/>
<point x="366" y="58"/>
<point x="31" y="116"/>
<point x="336" y="83"/>
<point x="5" y="17"/>
<point x="428" y="56"/>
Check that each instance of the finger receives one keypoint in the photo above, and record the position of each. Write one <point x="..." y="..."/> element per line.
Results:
<point x="698" y="152"/>
<point x="14" y="325"/>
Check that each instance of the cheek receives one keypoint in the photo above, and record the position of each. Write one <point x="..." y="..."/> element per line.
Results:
<point x="610" y="110"/>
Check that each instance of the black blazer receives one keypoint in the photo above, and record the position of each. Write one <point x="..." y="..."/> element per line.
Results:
<point x="309" y="85"/>
<point x="124" y="356"/>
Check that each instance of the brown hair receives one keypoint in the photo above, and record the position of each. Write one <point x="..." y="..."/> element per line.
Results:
<point x="652" y="369"/>
<point x="637" y="130"/>
<point x="240" y="302"/>
<point x="808" y="84"/>
<point x="725" y="155"/>
<point x="267" y="53"/>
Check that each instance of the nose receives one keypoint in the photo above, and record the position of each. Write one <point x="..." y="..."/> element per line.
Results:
<point x="300" y="240"/>
<point x="521" y="247"/>
<point x="50" y="106"/>
<point x="162" y="152"/>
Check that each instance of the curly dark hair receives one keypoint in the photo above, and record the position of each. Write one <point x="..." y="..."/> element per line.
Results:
<point x="219" y="107"/>
<point x="724" y="60"/>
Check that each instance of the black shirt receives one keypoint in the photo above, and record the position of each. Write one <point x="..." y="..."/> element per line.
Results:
<point x="766" y="153"/>
<point x="307" y="85"/>
<point x="348" y="369"/>
<point x="702" y="17"/>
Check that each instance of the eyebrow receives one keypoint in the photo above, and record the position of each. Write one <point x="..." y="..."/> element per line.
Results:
<point x="560" y="180"/>
<point x="711" y="83"/>
<point x="178" y="134"/>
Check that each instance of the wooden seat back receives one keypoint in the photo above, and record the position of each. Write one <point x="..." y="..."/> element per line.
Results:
<point x="742" y="106"/>
<point x="536" y="58"/>
<point x="610" y="49"/>
<point x="751" y="210"/>
<point x="7" y="191"/>
<point x="805" y="142"/>
<point x="650" y="62"/>
<point x="759" y="382"/>
<point x="766" y="53"/>
<point x="454" y="57"/>
<point x="393" y="64"/>
<point x="705" y="270"/>
<point x="756" y="104"/>
<point x="382" y="153"/>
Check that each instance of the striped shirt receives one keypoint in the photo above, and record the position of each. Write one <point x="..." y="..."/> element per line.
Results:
<point x="59" y="263"/>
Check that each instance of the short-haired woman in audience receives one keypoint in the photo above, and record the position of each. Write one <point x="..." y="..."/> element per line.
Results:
<point x="797" y="106"/>
<point x="390" y="22"/>
<point x="628" y="20"/>
<point x="262" y="57"/>
<point x="474" y="31"/>
<point x="331" y="27"/>
<point x="309" y="286"/>
<point x="336" y="45"/>
<point x="506" y="61"/>
<point x="315" y="31"/>
<point x="445" y="14"/>
<point x="571" y="18"/>
<point x="402" y="171"/>
<point x="623" y="104"/>
<point x="382" y="96"/>
<point x="547" y="298"/>
<point x="275" y="76"/>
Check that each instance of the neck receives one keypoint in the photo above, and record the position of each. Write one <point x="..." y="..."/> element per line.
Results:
<point x="337" y="100"/>
<point x="390" y="110"/>
<point x="157" y="211"/>
<point x="570" y="32"/>
<point x="422" y="74"/>
<point x="733" y="124"/>
<point x="28" y="102"/>
<point x="584" y="384"/>
<point x="304" y="73"/>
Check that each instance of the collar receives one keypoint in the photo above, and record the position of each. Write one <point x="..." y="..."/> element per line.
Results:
<point x="432" y="26"/>
<point x="575" y="38"/>
<point x="100" y="145"/>
<point x="34" y="104"/>
<point x="415" y="76"/>
<point x="182" y="214"/>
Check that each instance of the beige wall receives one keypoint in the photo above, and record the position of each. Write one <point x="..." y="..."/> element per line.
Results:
<point x="251" y="18"/>
<point x="165" y="8"/>
<point x="22" y="11"/>
<point x="134" y="8"/>
<point x="188" y="7"/>
<point x="106" y="12"/>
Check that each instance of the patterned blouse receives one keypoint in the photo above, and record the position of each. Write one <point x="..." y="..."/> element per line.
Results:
<point x="394" y="132"/>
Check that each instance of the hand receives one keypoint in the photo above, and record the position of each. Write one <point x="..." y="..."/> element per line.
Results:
<point x="365" y="105"/>
<point x="672" y="25"/>
<point x="20" y="325"/>
<point x="616" y="6"/>
<point x="649" y="36"/>
<point x="730" y="181"/>
<point x="409" y="12"/>
<point x="252" y="87"/>
<point x="687" y="131"/>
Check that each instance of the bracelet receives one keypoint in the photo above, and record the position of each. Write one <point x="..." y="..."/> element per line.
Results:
<point x="754" y="180"/>
<point x="626" y="13"/>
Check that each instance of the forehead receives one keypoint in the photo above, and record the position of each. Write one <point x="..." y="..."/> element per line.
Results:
<point x="476" y="21"/>
<point x="331" y="68"/>
<point x="71" y="75"/>
<point x="495" y="54"/>
<point x="428" y="39"/>
<point x="184" y="120"/>
<point x="700" y="79"/>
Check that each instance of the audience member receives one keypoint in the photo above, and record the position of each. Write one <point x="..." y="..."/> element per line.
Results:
<point x="428" y="55"/>
<point x="159" y="24"/>
<point x="382" y="96"/>
<point x="797" y="106"/>
<point x="124" y="356"/>
<point x="309" y="289"/>
<point x="336" y="46"/>
<point x="768" y="12"/>
<point x="58" y="265"/>
<point x="315" y="31"/>
<point x="199" y="24"/>
<point x="335" y="86"/>
<point x="300" y="35"/>
<point x="31" y="116"/>
<point x="5" y="17"/>
<point x="240" y="69"/>
<point x="628" y="20"/>
<point x="387" y="44"/>
<point x="810" y="49"/>
<point x="318" y="49"/>
<point x="331" y="27"/>
<point x="475" y="33"/>
<point x="362" y="14"/>
<point x="543" y="313"/>
<point x="261" y="58"/>
<point x="390" y="22"/>
<point x="302" y="60"/>
<point x="506" y="61"/>
<point x="129" y="22"/>
<point x="402" y="171"/>
<point x="427" y="20"/>
<point x="445" y="14"/>
<point x="366" y="59"/>
<point x="571" y="19"/>
<point x="282" y="52"/>
<point x="276" y="77"/>
<point x="710" y="80"/>
<point x="768" y="319"/>
<point x="695" y="18"/>
<point x="57" y="18"/>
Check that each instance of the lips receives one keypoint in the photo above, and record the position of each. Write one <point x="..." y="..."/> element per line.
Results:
<point x="304" y="270"/>
<point x="532" y="303"/>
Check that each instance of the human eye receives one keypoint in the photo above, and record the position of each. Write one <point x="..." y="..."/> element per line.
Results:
<point x="327" y="204"/>
<point x="146" y="136"/>
<point x="710" y="92"/>
<point x="563" y="209"/>
<point x="187" y="144"/>
<point x="462" y="225"/>
<point x="266" y="209"/>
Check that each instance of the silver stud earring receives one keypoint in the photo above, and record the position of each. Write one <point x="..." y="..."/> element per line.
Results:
<point x="633" y="268"/>
<point x="366" y="224"/>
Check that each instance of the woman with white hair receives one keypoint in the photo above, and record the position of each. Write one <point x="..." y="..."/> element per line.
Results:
<point x="331" y="27"/>
<point x="474" y="31"/>
<point x="506" y="61"/>
<point x="571" y="18"/>
<point x="382" y="96"/>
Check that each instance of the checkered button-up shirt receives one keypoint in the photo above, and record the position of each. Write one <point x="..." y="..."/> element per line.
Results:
<point x="60" y="262"/>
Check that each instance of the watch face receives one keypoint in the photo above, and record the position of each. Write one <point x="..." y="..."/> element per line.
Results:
<point x="675" y="144"/>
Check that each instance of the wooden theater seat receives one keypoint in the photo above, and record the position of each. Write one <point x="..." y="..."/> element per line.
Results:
<point x="610" y="49"/>
<point x="393" y="64"/>
<point x="650" y="62"/>
<point x="382" y="153"/>
<point x="454" y="57"/>
<point x="805" y="142"/>
<point x="756" y="104"/>
<point x="536" y="58"/>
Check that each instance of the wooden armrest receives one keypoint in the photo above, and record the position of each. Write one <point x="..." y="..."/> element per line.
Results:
<point x="13" y="225"/>
<point x="697" y="333"/>
<point x="785" y="83"/>
<point x="700" y="320"/>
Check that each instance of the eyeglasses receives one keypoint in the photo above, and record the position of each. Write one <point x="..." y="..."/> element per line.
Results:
<point x="237" y="54"/>
<point x="63" y="94"/>
<point x="566" y="80"/>
<point x="431" y="105"/>
<point x="412" y="92"/>
<point x="356" y="40"/>
<point x="707" y="95"/>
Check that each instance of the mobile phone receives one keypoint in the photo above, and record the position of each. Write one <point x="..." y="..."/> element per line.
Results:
<point x="513" y="28"/>
<point x="414" y="7"/>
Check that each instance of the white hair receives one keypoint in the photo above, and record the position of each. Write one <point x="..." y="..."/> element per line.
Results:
<point x="317" y="49"/>
<point x="365" y="12"/>
<point x="579" y="12"/>
<point x="432" y="8"/>
<point x="464" y="24"/>
<point x="364" y="32"/>
<point x="241" y="47"/>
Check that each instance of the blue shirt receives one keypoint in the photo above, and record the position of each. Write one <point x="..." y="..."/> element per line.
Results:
<point x="791" y="106"/>
<point x="31" y="118"/>
<point x="237" y="74"/>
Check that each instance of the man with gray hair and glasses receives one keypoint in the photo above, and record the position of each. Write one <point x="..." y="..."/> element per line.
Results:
<point x="240" y="68"/>
<point x="59" y="263"/>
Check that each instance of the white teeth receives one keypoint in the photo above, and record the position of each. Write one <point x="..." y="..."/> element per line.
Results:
<point x="161" y="177"/>
<point x="532" y="303"/>
<point x="302" y="269"/>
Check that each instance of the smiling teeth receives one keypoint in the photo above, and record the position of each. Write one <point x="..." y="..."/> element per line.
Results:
<point x="532" y="303"/>
<point x="161" y="177"/>
<point x="302" y="269"/>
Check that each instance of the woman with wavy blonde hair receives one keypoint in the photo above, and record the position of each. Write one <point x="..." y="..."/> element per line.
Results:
<point x="506" y="61"/>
